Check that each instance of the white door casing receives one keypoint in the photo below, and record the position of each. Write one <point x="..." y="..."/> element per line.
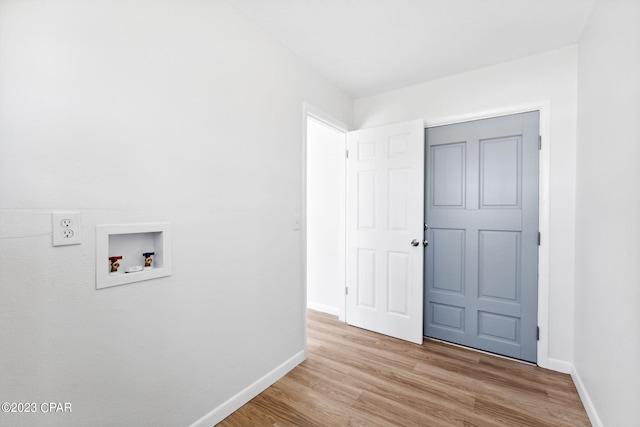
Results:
<point x="385" y="211"/>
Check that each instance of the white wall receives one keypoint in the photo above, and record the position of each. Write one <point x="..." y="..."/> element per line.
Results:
<point x="607" y="314"/>
<point x="547" y="80"/>
<point x="141" y="111"/>
<point x="325" y="217"/>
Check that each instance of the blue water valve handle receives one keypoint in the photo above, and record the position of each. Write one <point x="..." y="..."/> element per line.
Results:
<point x="147" y="259"/>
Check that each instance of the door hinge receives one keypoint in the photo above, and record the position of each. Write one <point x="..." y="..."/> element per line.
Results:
<point x="346" y="152"/>
<point x="539" y="142"/>
<point x="539" y="238"/>
<point x="537" y="333"/>
<point x="346" y="290"/>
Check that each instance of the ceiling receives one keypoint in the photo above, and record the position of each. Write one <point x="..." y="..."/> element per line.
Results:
<point x="367" y="47"/>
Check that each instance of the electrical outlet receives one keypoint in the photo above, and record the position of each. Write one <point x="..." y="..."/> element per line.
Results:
<point x="66" y="228"/>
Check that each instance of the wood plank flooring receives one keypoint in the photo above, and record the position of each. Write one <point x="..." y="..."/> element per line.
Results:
<point x="354" y="377"/>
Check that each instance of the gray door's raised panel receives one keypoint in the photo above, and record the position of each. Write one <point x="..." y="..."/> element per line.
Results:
<point x="448" y="177"/>
<point x="447" y="266"/>
<point x="500" y="173"/>
<point x="449" y="318"/>
<point x="499" y="265"/>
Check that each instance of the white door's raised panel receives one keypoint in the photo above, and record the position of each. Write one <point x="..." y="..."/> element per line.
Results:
<point x="398" y="283"/>
<point x="366" y="150"/>
<point x="398" y="200"/>
<point x="366" y="200"/>
<point x="366" y="281"/>
<point x="398" y="145"/>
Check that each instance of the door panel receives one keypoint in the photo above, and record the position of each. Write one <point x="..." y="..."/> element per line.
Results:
<point x="398" y="264"/>
<point x="449" y="317"/>
<point x="398" y="199"/>
<point x="499" y="172"/>
<point x="482" y="210"/>
<point x="448" y="260"/>
<point x="366" y="200"/>
<point x="366" y="278"/>
<point x="385" y="212"/>
<point x="449" y="175"/>
<point x="499" y="266"/>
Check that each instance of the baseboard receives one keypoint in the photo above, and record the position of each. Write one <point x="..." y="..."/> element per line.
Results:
<point x="569" y="368"/>
<point x="324" y="308"/>
<point x="559" y="365"/>
<point x="586" y="400"/>
<point x="227" y="408"/>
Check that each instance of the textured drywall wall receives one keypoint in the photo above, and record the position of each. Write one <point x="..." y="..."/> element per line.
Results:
<point x="146" y="111"/>
<point x="607" y="322"/>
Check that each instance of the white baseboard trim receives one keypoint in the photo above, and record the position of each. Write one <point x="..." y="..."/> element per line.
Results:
<point x="559" y="365"/>
<point x="324" y="308"/>
<point x="586" y="400"/>
<point x="227" y="408"/>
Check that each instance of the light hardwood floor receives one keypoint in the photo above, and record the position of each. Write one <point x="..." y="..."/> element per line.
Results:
<point x="354" y="377"/>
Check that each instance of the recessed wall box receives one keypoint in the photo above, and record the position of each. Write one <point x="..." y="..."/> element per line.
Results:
<point x="131" y="241"/>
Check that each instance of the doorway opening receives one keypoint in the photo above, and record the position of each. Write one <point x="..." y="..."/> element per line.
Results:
<point x="325" y="215"/>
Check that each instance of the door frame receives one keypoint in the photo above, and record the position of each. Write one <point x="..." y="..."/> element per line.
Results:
<point x="310" y="111"/>
<point x="544" y="107"/>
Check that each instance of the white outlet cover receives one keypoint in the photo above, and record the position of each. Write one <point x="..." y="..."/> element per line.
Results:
<point x="67" y="228"/>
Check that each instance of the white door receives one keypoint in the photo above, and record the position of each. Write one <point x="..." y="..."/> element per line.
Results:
<point x="385" y="203"/>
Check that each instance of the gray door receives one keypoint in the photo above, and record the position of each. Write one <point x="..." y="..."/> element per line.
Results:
<point x="481" y="262"/>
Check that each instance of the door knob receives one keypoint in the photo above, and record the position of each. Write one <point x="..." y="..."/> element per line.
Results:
<point x="414" y="242"/>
